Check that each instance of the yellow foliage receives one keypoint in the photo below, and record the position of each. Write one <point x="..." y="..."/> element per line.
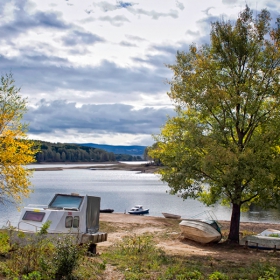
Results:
<point x="16" y="151"/>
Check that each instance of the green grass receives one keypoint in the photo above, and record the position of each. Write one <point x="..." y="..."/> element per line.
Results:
<point x="134" y="257"/>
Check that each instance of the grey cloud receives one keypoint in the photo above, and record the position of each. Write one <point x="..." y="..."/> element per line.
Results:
<point x="229" y="1"/>
<point x="207" y="10"/>
<point x="180" y="5"/>
<point x="23" y="22"/>
<point x="110" y="118"/>
<point x="205" y="24"/>
<point x="45" y="73"/>
<point x="168" y="52"/>
<point x="127" y="44"/>
<point x="88" y="11"/>
<point x="116" y="20"/>
<point x="79" y="38"/>
<point x="192" y="33"/>
<point x="135" y="38"/>
<point x="158" y="61"/>
<point x="155" y="15"/>
<point x="108" y="7"/>
<point x="122" y="4"/>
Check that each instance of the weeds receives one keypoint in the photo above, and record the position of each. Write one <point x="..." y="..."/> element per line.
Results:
<point x="135" y="257"/>
<point x="37" y="257"/>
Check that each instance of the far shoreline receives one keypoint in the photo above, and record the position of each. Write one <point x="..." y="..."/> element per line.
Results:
<point x="142" y="167"/>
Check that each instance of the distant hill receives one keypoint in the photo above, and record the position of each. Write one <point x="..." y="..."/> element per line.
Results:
<point x="128" y="150"/>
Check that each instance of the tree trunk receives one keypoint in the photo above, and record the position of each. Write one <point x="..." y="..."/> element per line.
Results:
<point x="234" y="224"/>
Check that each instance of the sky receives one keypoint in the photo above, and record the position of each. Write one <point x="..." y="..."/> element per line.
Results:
<point x="96" y="71"/>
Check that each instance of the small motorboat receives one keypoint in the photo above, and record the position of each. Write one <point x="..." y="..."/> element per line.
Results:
<point x="171" y="216"/>
<point x="138" y="210"/>
<point x="202" y="231"/>
<point x="266" y="240"/>
<point x="106" y="210"/>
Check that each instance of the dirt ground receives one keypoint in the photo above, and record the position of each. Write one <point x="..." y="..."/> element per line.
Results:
<point x="168" y="237"/>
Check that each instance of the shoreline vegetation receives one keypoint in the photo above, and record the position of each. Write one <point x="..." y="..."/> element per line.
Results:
<point x="140" y="167"/>
<point x="143" y="247"/>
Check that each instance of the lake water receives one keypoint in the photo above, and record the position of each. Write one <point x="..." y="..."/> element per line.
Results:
<point x="121" y="190"/>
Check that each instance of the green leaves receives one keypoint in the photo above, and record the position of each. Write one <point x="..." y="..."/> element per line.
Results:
<point x="226" y="133"/>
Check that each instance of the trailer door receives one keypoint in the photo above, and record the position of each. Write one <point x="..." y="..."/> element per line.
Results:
<point x="92" y="215"/>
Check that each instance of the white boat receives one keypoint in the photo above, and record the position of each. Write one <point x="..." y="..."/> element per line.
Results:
<point x="68" y="214"/>
<point x="201" y="231"/>
<point x="171" y="216"/>
<point x="138" y="210"/>
<point x="267" y="240"/>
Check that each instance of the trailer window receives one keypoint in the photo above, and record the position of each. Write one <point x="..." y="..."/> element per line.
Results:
<point x="68" y="221"/>
<point x="76" y="222"/>
<point x="61" y="201"/>
<point x="72" y="222"/>
<point x="34" y="216"/>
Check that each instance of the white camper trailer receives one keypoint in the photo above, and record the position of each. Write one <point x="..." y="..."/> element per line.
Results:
<point x="68" y="214"/>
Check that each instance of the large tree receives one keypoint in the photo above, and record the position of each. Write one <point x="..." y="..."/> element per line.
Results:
<point x="224" y="143"/>
<point x="15" y="149"/>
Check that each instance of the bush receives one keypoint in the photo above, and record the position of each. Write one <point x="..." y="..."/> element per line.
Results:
<point x="67" y="256"/>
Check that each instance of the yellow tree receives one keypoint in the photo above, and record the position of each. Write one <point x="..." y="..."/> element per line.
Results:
<point x="223" y="145"/>
<point x="15" y="149"/>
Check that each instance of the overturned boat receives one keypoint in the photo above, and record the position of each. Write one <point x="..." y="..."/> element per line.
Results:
<point x="171" y="216"/>
<point x="67" y="214"/>
<point x="202" y="231"/>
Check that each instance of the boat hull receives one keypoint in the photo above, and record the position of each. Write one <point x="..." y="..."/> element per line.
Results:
<point x="171" y="216"/>
<point x="139" y="212"/>
<point x="199" y="231"/>
<point x="106" y="210"/>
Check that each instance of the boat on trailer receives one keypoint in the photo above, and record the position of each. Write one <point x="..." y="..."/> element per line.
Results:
<point x="202" y="231"/>
<point x="73" y="214"/>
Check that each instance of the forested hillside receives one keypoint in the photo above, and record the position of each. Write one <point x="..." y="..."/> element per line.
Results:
<point x="118" y="149"/>
<point x="63" y="152"/>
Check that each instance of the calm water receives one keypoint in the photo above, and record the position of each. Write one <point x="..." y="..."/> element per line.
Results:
<point x="120" y="190"/>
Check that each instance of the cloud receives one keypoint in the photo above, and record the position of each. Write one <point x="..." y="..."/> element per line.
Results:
<point x="135" y="38"/>
<point x="108" y="7"/>
<point x="180" y="5"/>
<point x="122" y="4"/>
<point x="116" y="20"/>
<point x="154" y="14"/>
<point x="21" y="22"/>
<point x="112" y="118"/>
<point x="127" y="44"/>
<point x="49" y="73"/>
<point x="76" y="37"/>
<point x="129" y="6"/>
<point x="192" y="33"/>
<point x="230" y="1"/>
<point x="207" y="10"/>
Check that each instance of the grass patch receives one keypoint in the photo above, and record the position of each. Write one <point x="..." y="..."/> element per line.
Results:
<point x="134" y="257"/>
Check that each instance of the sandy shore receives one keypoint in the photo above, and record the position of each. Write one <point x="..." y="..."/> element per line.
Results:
<point x="167" y="235"/>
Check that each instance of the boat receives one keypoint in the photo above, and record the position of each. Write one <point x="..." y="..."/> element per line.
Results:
<point x="68" y="214"/>
<point x="106" y="210"/>
<point x="138" y="210"/>
<point x="171" y="216"/>
<point x="202" y="231"/>
<point x="269" y="239"/>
